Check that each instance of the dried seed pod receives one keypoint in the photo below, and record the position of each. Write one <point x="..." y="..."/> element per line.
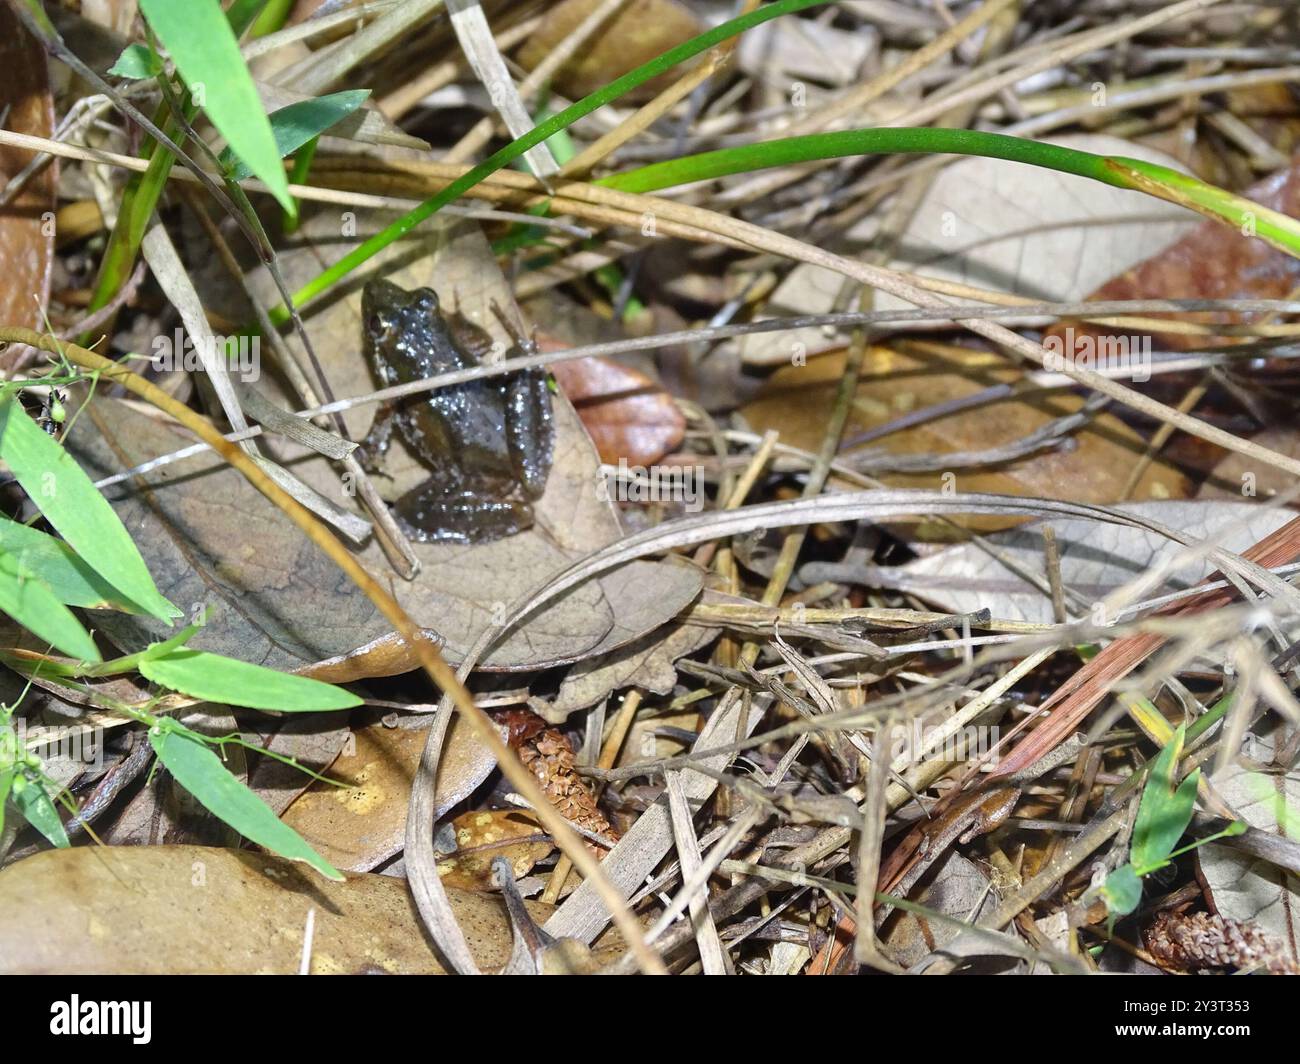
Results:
<point x="1191" y="941"/>
<point x="546" y="753"/>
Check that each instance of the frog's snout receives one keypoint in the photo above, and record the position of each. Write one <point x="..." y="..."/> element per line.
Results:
<point x="381" y="295"/>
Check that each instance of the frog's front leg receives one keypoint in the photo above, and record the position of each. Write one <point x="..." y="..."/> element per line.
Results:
<point x="530" y="429"/>
<point x="375" y="445"/>
<point x="470" y="510"/>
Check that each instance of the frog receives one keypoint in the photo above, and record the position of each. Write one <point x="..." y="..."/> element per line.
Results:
<point x="488" y="443"/>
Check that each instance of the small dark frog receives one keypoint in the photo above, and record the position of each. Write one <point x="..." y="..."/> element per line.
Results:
<point x="488" y="443"/>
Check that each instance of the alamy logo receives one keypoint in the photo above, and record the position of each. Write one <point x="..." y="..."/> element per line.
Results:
<point x="132" y="1018"/>
<point x="679" y="484"/>
<point x="241" y="355"/>
<point x="1116" y="356"/>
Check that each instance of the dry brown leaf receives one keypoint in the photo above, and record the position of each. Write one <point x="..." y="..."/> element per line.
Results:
<point x="483" y="836"/>
<point x="195" y="910"/>
<point x="358" y="827"/>
<point x="26" y="238"/>
<point x="313" y="740"/>
<point x="627" y="415"/>
<point x="1237" y="476"/>
<point x="1095" y="462"/>
<point x="278" y="601"/>
<point x="1214" y="261"/>
<point x="640" y="31"/>
<point x="647" y="663"/>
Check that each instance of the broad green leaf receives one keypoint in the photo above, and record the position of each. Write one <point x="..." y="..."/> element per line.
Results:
<point x="36" y="806"/>
<point x="71" y="579"/>
<point x="294" y="125"/>
<point x="137" y="61"/>
<point x="201" y="772"/>
<point x="30" y="602"/>
<point x="1165" y="809"/>
<point x="204" y="49"/>
<point x="71" y="503"/>
<point x="1122" y="891"/>
<point x="215" y="678"/>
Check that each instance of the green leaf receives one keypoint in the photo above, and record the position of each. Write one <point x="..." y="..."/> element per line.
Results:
<point x="35" y="805"/>
<point x="1165" y="809"/>
<point x="1122" y="891"/>
<point x="137" y="61"/>
<point x="215" y="678"/>
<point x="294" y="125"/>
<point x="202" y="773"/>
<point x="204" y="49"/>
<point x="30" y="602"/>
<point x="71" y="503"/>
<point x="6" y="782"/>
<point x="71" y="579"/>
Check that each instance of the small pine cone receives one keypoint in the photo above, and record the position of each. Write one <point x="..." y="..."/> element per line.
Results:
<point x="546" y="753"/>
<point x="1191" y="941"/>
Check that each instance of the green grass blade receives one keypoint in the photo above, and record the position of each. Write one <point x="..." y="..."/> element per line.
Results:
<point x="229" y="681"/>
<point x="6" y="783"/>
<point x="73" y="581"/>
<point x="540" y="132"/>
<point x="294" y="125"/>
<point x="30" y="602"/>
<point x="1252" y="219"/>
<point x="816" y="147"/>
<point x="72" y="504"/>
<point x="205" y="51"/>
<point x="201" y="772"/>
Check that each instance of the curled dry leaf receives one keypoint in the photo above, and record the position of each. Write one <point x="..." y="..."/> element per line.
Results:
<point x="647" y="663"/>
<point x="26" y="232"/>
<point x="627" y="415"/>
<point x="195" y="910"/>
<point x="359" y="826"/>
<point x="313" y="740"/>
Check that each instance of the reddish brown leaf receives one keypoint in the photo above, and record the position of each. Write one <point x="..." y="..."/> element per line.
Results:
<point x="1216" y="262"/>
<point x="26" y="237"/>
<point x="628" y="416"/>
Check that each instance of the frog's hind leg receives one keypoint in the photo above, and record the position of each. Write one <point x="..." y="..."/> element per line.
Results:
<point x="431" y="513"/>
<point x="530" y="429"/>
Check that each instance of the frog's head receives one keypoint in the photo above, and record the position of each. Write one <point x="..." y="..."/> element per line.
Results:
<point x="388" y="311"/>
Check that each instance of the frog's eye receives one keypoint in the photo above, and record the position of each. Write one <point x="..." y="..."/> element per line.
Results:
<point x="377" y="325"/>
<point x="426" y="300"/>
